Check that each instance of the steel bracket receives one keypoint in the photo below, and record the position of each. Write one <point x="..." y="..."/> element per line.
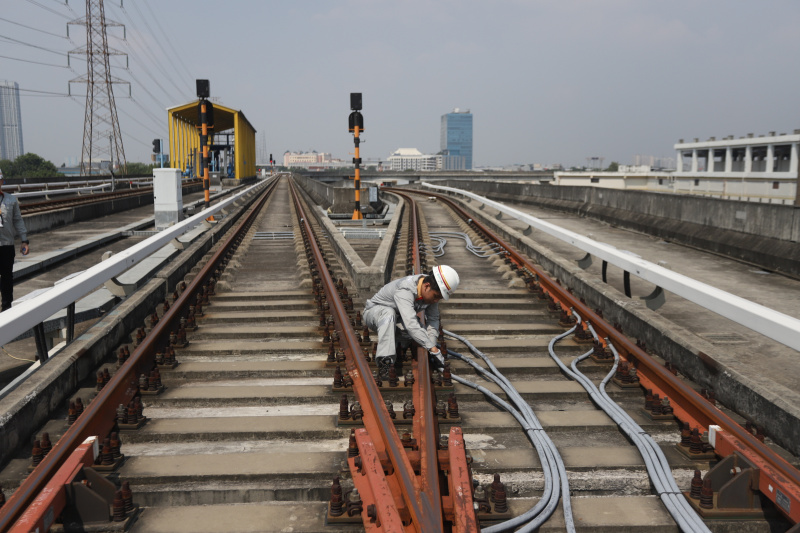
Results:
<point x="120" y="290"/>
<point x="655" y="299"/>
<point x="584" y="262"/>
<point x="735" y="483"/>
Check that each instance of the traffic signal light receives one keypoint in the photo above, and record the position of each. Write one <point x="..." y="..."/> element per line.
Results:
<point x="156" y="146"/>
<point x="203" y="88"/>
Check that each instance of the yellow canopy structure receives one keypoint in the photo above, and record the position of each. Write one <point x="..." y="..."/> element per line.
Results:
<point x="184" y="136"/>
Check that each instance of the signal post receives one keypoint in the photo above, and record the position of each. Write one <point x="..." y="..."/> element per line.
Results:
<point x="206" y="116"/>
<point x="356" y="126"/>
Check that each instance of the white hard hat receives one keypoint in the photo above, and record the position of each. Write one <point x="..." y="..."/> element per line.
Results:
<point x="447" y="279"/>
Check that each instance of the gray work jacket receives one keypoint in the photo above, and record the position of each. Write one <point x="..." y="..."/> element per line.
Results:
<point x="12" y="220"/>
<point x="401" y="295"/>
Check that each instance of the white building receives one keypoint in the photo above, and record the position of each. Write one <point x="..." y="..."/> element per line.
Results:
<point x="10" y="121"/>
<point x="413" y="159"/>
<point x="312" y="160"/>
<point x="746" y="157"/>
<point x="763" y="167"/>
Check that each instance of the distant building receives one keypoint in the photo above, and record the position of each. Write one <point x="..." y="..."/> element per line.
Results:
<point x="456" y="140"/>
<point x="634" y="169"/>
<point x="412" y="159"/>
<point x="10" y="121"/>
<point x="765" y="156"/>
<point x="312" y="160"/>
<point x="654" y="162"/>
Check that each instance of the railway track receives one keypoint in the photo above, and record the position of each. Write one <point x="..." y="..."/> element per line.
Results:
<point x="249" y="430"/>
<point x="31" y="207"/>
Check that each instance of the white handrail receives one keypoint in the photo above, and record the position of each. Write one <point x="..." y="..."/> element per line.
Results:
<point x="768" y="322"/>
<point x="29" y="313"/>
<point x="52" y="192"/>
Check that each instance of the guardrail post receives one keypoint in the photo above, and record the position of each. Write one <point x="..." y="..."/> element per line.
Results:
<point x="41" y="342"/>
<point x="70" y="329"/>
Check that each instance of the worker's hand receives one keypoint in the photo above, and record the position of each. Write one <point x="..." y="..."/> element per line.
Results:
<point x="436" y="359"/>
<point x="24" y="249"/>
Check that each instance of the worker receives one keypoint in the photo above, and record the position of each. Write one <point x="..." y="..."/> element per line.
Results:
<point x="11" y="224"/>
<point x="404" y="298"/>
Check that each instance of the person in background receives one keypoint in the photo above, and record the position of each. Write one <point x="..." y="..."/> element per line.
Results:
<point x="11" y="225"/>
<point x="400" y="301"/>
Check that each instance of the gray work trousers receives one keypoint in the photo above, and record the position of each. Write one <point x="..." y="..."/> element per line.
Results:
<point x="383" y="321"/>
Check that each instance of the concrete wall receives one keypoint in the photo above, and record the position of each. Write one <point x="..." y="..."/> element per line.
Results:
<point x="763" y="234"/>
<point x="368" y="279"/>
<point x="339" y="197"/>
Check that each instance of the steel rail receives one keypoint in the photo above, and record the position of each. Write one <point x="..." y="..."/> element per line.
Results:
<point x="425" y="423"/>
<point x="688" y="405"/>
<point x="99" y="416"/>
<point x="376" y="418"/>
<point x="47" y="205"/>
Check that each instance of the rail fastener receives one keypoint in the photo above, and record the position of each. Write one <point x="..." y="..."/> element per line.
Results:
<point x="78" y="494"/>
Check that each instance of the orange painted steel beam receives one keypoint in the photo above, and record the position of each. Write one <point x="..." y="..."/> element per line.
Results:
<point x="100" y="414"/>
<point x="460" y="483"/>
<point x="771" y="483"/>
<point x="688" y="405"/>
<point x="376" y="418"/>
<point x="369" y="479"/>
<point x="49" y="504"/>
<point x="426" y="425"/>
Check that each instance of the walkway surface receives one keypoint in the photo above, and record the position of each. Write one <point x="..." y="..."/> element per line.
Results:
<point x="45" y="246"/>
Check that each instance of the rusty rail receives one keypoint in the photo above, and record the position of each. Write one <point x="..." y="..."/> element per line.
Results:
<point x="99" y="416"/>
<point x="376" y="418"/>
<point x="425" y="424"/>
<point x="399" y="495"/>
<point x="688" y="405"/>
<point x="49" y="205"/>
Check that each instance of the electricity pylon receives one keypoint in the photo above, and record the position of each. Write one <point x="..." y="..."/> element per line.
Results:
<point x="101" y="133"/>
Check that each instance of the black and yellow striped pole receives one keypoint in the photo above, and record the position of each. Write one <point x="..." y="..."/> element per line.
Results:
<point x="356" y="125"/>
<point x="206" y="116"/>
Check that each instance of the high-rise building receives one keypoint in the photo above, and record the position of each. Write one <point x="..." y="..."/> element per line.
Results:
<point x="456" y="140"/>
<point x="10" y="121"/>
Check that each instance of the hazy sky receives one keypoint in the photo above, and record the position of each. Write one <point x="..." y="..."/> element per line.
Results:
<point x="547" y="81"/>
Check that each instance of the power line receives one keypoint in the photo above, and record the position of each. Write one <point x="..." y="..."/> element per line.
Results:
<point x="36" y="62"/>
<point x="144" y="88"/>
<point x="34" y="29"/>
<point x="147" y="50"/>
<point x="139" y="123"/>
<point x="17" y="41"/>
<point x="137" y="140"/>
<point x="67" y="6"/>
<point x="147" y="111"/>
<point x="166" y="37"/>
<point x="34" y="2"/>
<point x="43" y="92"/>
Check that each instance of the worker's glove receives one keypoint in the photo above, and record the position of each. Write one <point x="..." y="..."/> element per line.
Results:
<point x="436" y="359"/>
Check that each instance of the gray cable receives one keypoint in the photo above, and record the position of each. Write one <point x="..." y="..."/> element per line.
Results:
<point x="532" y="518"/>
<point x="655" y="461"/>
<point x="479" y="251"/>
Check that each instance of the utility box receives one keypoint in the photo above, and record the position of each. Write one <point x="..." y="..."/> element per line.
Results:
<point x="167" y="197"/>
<point x="215" y="182"/>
